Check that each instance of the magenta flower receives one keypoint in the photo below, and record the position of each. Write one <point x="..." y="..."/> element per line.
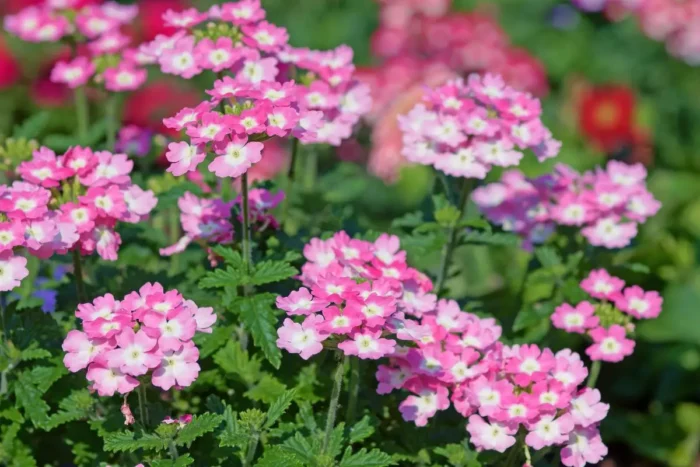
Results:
<point x="610" y="345"/>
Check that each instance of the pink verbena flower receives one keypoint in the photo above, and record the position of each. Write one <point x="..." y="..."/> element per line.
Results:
<point x="304" y="339"/>
<point x="575" y="319"/>
<point x="638" y="303"/>
<point x="600" y="284"/>
<point x="610" y="345"/>
<point x="492" y="436"/>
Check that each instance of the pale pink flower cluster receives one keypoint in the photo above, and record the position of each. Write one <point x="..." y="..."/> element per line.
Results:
<point x="457" y="357"/>
<point x="148" y="331"/>
<point x="99" y="26"/>
<point x="464" y="128"/>
<point x="601" y="322"/>
<point x="606" y="204"/>
<point x="354" y="292"/>
<point x="67" y="202"/>
<point x="208" y="221"/>
<point x="677" y="23"/>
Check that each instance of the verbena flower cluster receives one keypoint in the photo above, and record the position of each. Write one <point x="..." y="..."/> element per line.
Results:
<point x="608" y="322"/>
<point x="148" y="331"/>
<point x="464" y="128"/>
<point x="354" y="292"/>
<point x="503" y="390"/>
<point x="606" y="204"/>
<point x="67" y="202"/>
<point x="104" y="51"/>
<point x="677" y="23"/>
<point x="209" y="221"/>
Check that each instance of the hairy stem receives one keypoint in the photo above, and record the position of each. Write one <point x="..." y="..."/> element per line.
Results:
<point x="172" y="449"/>
<point x="142" y="409"/>
<point x="353" y="391"/>
<point x="246" y="237"/>
<point x="335" y="396"/>
<point x="290" y="179"/>
<point x="252" y="447"/>
<point x="81" y="112"/>
<point x="448" y="249"/>
<point x="78" y="273"/>
<point x="594" y="373"/>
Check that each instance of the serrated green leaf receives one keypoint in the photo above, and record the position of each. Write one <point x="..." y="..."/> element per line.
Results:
<point x="266" y="390"/>
<point x="126" y="441"/>
<point x="267" y="272"/>
<point x="458" y="455"/>
<point x="361" y="430"/>
<point x="335" y="444"/>
<point x="532" y="315"/>
<point x="548" y="256"/>
<point x="224" y="278"/>
<point x="447" y="216"/>
<point x="410" y="220"/>
<point x="32" y="127"/>
<point x="231" y="257"/>
<point x="364" y="458"/>
<point x="210" y="343"/>
<point x="34" y="354"/>
<point x="279" y="407"/>
<point x="199" y="426"/>
<point x="276" y="456"/>
<point x="259" y="318"/>
<point x="44" y="376"/>
<point x="28" y="397"/>
<point x="300" y="447"/>
<point x="234" y="360"/>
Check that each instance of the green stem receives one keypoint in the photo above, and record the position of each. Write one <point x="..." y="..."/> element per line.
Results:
<point x="512" y="459"/>
<point x="290" y="179"/>
<point x="593" y="375"/>
<point x="449" y="247"/>
<point x="172" y="449"/>
<point x="252" y="447"/>
<point x="528" y="457"/>
<point x="335" y="396"/>
<point x="78" y="273"/>
<point x="246" y="237"/>
<point x="142" y="404"/>
<point x="81" y="112"/>
<point x="311" y="169"/>
<point x="353" y="391"/>
<point x="111" y="120"/>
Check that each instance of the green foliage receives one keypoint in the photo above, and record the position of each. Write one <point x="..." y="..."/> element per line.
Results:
<point x="260" y="318"/>
<point x="199" y="426"/>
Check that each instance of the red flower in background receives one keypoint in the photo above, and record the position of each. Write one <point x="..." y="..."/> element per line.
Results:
<point x="10" y="70"/>
<point x="151" y="17"/>
<point x="606" y="115"/>
<point x="161" y="99"/>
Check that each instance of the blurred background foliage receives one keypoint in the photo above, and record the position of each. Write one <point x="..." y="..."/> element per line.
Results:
<point x="655" y="394"/>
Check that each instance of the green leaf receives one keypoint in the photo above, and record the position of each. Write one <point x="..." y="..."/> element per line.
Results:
<point x="458" y="455"/>
<point x="410" y="220"/>
<point x="299" y="446"/>
<point x="259" y="318"/>
<point x="637" y="267"/>
<point x="277" y="456"/>
<point x="230" y="256"/>
<point x="44" y="376"/>
<point x="361" y="430"/>
<point x="532" y="315"/>
<point x="32" y="127"/>
<point x="28" y="397"/>
<point x="219" y="336"/>
<point x="364" y="458"/>
<point x="447" y="216"/>
<point x="234" y="360"/>
<point x="125" y="441"/>
<point x="266" y="390"/>
<point x="34" y="354"/>
<point x="220" y="278"/>
<point x="199" y="426"/>
<point x="74" y="407"/>
<point x="279" y="407"/>
<point x="487" y="238"/>
<point x="268" y="271"/>
<point x="548" y="256"/>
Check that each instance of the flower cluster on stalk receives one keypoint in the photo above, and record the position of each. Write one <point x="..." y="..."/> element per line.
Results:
<point x="464" y="128"/>
<point x="606" y="204"/>
<point x="68" y="202"/>
<point x="147" y="331"/>
<point x="609" y="321"/>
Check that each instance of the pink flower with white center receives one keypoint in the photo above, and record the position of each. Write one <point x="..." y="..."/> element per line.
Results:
<point x="180" y="60"/>
<point x="104" y="240"/>
<point x="492" y="436"/>
<point x="600" y="284"/>
<point x="82" y="350"/>
<point x="11" y="235"/>
<point x="139" y="204"/>
<point x="550" y="395"/>
<point x="184" y="157"/>
<point x="374" y="309"/>
<point x="304" y="339"/>
<point x="110" y="43"/>
<point x="204" y="319"/>
<point x="584" y="446"/>
<point x="108" y="202"/>
<point x="587" y="409"/>
<point x="107" y="381"/>
<point x="339" y="322"/>
<point x="92" y="22"/>
<point x="367" y="345"/>
<point x="125" y="77"/>
<point x="256" y="70"/>
<point x="575" y="319"/>
<point x="73" y="74"/>
<point x="38" y="233"/>
<point x="83" y="217"/>
<point x="177" y="367"/>
<point x="254" y="120"/>
<point x="235" y="157"/>
<point x="110" y="168"/>
<point x="186" y="117"/>
<point x="242" y="12"/>
<point x="102" y="328"/>
<point x="164" y="302"/>
<point x="79" y="160"/>
<point x="281" y="120"/>
<point x="572" y="210"/>
<point x="641" y="206"/>
<point x="636" y="302"/>
<point x="300" y="302"/>
<point x="217" y="56"/>
<point x="517" y="409"/>
<point x="424" y="405"/>
<point x="135" y="353"/>
<point x="610" y="345"/>
<point x="549" y="431"/>
<point x="569" y="369"/>
<point x="213" y="127"/>
<point x="12" y="270"/>
<point x="265" y="36"/>
<point x="171" y="329"/>
<point x="183" y="19"/>
<point x="462" y="163"/>
<point x="488" y="395"/>
<point x="465" y="367"/>
<point x="530" y="364"/>
<point x="610" y="232"/>
<point x="391" y="378"/>
<point x="101" y="307"/>
<point x="43" y="169"/>
<point x="20" y="204"/>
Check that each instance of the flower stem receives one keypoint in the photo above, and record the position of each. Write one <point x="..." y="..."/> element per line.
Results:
<point x="172" y="449"/>
<point x="252" y="447"/>
<point x="353" y="391"/>
<point x="290" y="179"/>
<point x="593" y="375"/>
<point x="111" y="121"/>
<point x="81" y="112"/>
<point x="143" y="408"/>
<point x="449" y="247"/>
<point x="335" y="396"/>
<point x="311" y="169"/>
<point x="78" y="273"/>
<point x="246" y="237"/>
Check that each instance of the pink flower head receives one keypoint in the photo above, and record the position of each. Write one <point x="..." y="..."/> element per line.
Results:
<point x="575" y="319"/>
<point x="179" y="59"/>
<point x="92" y="22"/>
<point x="134" y="353"/>
<point x="107" y="381"/>
<point x="610" y="345"/>
<point x="265" y="36"/>
<point x="530" y="364"/>
<point x="304" y="339"/>
<point x="587" y="409"/>
<point x="235" y="157"/>
<point x="584" y="446"/>
<point x="368" y="345"/>
<point x="73" y="74"/>
<point x="300" y="302"/>
<point x="600" y="284"/>
<point x="125" y="77"/>
<point x="217" y="56"/>
<point x="81" y="350"/>
<point x="184" y="157"/>
<point x="177" y="367"/>
<point x="638" y="303"/>
<point x="424" y="404"/>
<point x="172" y="329"/>
<point x="183" y="19"/>
<point x="110" y="168"/>
<point x="492" y="436"/>
<point x="12" y="270"/>
<point x="340" y="322"/>
<point x="242" y="12"/>
<point x="549" y="431"/>
<point x="11" y="235"/>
